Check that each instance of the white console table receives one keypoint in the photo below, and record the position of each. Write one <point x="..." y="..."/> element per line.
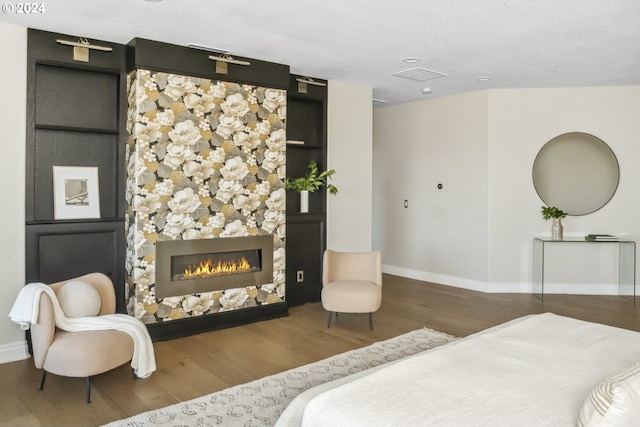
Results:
<point x="626" y="263"/>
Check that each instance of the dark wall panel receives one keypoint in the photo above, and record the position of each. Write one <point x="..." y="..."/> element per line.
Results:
<point x="305" y="246"/>
<point x="76" y="98"/>
<point x="159" y="56"/>
<point x="60" y="148"/>
<point x="65" y="250"/>
<point x="304" y="121"/>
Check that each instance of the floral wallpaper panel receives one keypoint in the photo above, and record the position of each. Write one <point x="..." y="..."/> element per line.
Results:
<point x="205" y="159"/>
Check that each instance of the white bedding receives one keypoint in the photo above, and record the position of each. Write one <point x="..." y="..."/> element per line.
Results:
<point x="534" y="371"/>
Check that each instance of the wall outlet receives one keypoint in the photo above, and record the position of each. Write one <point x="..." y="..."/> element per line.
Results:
<point x="300" y="276"/>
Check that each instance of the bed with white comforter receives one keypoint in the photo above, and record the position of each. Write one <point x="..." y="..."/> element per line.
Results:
<point x="539" y="370"/>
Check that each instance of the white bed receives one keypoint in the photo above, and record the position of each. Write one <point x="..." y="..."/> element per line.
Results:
<point x="539" y="370"/>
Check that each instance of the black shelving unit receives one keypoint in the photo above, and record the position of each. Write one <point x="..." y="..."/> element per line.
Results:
<point x="306" y="232"/>
<point x="75" y="117"/>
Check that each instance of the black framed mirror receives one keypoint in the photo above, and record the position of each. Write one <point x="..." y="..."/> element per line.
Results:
<point x="576" y="172"/>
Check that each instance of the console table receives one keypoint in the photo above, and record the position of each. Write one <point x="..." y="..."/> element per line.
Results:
<point x="626" y="263"/>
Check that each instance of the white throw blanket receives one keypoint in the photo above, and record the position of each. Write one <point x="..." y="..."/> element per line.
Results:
<point x="25" y="312"/>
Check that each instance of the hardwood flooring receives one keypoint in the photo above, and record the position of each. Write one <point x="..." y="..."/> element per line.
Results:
<point x="194" y="366"/>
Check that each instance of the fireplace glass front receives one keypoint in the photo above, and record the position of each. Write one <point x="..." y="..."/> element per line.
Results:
<point x="185" y="267"/>
<point x="201" y="266"/>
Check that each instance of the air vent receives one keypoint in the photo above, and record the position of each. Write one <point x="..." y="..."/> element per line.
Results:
<point x="419" y="74"/>
<point x="378" y="102"/>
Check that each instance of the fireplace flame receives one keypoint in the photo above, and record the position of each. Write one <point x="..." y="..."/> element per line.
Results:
<point x="210" y="268"/>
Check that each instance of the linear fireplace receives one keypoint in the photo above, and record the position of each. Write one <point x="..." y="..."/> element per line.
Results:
<point x="195" y="266"/>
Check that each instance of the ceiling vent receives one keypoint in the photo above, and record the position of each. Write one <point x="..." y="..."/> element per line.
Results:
<point x="419" y="74"/>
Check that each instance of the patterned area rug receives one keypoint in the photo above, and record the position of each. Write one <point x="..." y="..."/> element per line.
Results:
<point x="260" y="402"/>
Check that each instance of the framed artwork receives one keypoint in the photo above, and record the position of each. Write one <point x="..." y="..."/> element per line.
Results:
<point x="76" y="194"/>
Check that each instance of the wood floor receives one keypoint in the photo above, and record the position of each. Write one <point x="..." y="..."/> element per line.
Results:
<point x="194" y="366"/>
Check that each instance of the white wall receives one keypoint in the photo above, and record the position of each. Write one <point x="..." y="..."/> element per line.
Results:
<point x="442" y="235"/>
<point x="520" y="123"/>
<point x="477" y="233"/>
<point x="13" y="75"/>
<point x="350" y="136"/>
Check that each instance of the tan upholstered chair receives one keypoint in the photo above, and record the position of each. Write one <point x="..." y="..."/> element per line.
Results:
<point x="84" y="353"/>
<point x="351" y="283"/>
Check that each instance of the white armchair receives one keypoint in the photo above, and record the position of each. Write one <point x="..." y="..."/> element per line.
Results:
<point x="351" y="283"/>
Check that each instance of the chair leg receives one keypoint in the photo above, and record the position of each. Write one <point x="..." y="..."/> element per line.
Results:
<point x="88" y="389"/>
<point x="329" y="322"/>
<point x="44" y="377"/>
<point x="371" y="321"/>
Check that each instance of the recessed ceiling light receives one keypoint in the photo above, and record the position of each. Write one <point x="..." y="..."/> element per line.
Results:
<point x="426" y="90"/>
<point x="411" y="60"/>
<point x="483" y="78"/>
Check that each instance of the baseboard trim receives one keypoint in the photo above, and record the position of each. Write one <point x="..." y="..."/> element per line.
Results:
<point x="14" y="351"/>
<point x="502" y="287"/>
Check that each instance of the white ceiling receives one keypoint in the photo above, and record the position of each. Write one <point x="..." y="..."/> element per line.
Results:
<point x="518" y="43"/>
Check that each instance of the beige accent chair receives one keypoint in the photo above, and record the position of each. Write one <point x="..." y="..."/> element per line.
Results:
<point x="351" y="283"/>
<point x="83" y="353"/>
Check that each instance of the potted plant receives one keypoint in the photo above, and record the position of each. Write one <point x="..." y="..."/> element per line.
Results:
<point x="312" y="181"/>
<point x="555" y="214"/>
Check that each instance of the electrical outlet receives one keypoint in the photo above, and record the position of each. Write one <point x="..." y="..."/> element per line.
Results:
<point x="406" y="203"/>
<point x="300" y="276"/>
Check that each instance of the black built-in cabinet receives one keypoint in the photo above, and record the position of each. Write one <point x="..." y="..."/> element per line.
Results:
<point x="76" y="115"/>
<point x="306" y="232"/>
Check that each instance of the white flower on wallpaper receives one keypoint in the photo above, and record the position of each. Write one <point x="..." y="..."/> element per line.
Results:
<point x="217" y="220"/>
<point x="247" y="203"/>
<point x="205" y="159"/>
<point x="201" y="104"/>
<point x="274" y="99"/>
<point x="235" y="229"/>
<point x="235" y="105"/>
<point x="233" y="299"/>
<point x="228" y="189"/>
<point x="145" y="204"/>
<point x="228" y="125"/>
<point x="271" y="220"/>
<point x="147" y="133"/>
<point x="178" y="154"/>
<point x="165" y="118"/>
<point x="177" y="224"/>
<point x="197" y="304"/>
<point x="277" y="200"/>
<point x="199" y="171"/>
<point x="184" y="202"/>
<point x="273" y="159"/>
<point x="279" y="259"/>
<point x="247" y="140"/>
<point x="179" y="86"/>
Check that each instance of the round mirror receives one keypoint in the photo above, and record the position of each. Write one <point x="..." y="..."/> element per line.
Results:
<point x="576" y="172"/>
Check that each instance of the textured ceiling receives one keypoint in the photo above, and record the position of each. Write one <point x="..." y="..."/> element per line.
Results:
<point x="518" y="43"/>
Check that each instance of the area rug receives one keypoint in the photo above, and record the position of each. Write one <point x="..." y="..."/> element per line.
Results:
<point x="260" y="402"/>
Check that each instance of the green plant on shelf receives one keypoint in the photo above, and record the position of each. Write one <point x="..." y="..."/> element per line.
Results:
<point x="549" y="212"/>
<point x="313" y="180"/>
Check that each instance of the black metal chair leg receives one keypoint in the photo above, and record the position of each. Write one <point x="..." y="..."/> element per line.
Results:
<point x="88" y="389"/>
<point x="44" y="377"/>
<point x="329" y="322"/>
<point x="371" y="321"/>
